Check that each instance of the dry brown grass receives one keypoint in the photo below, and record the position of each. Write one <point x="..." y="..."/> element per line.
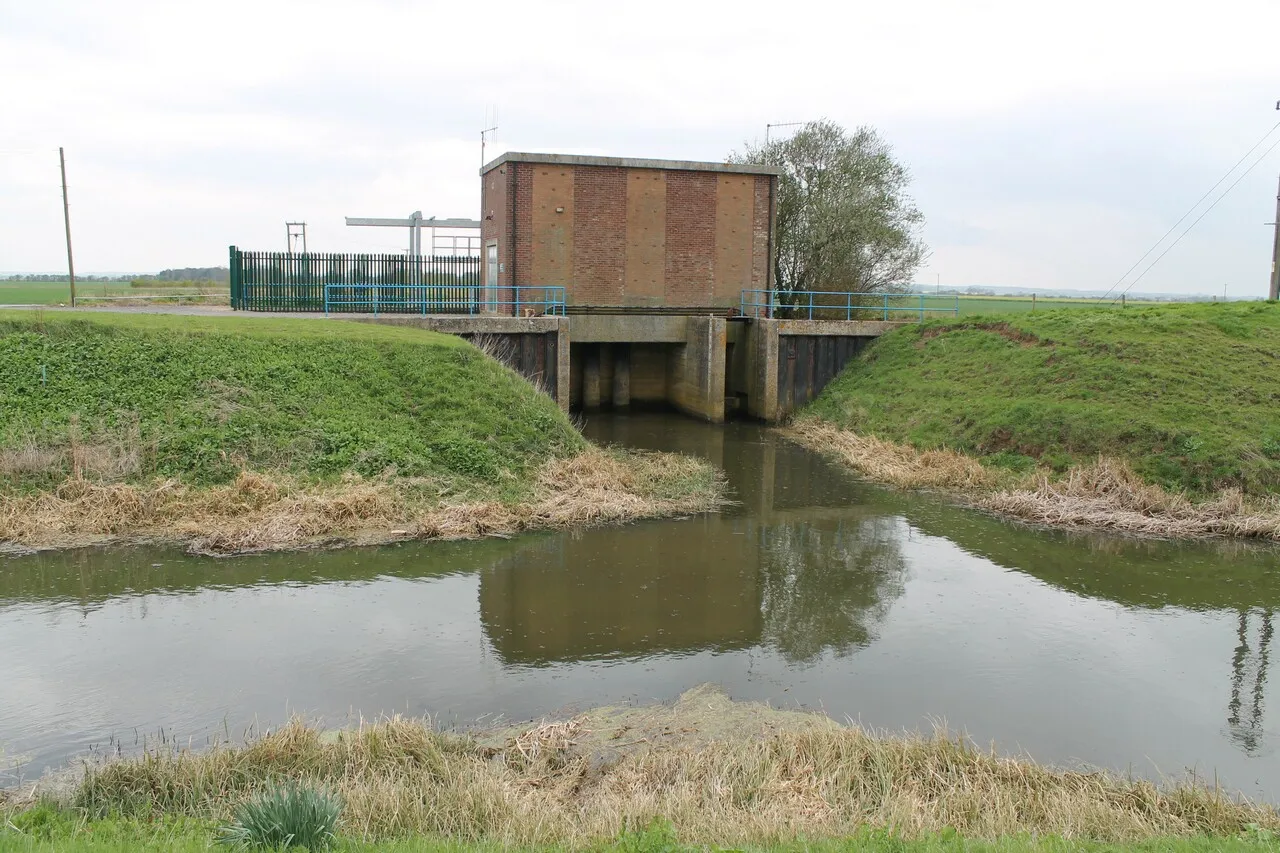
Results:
<point x="896" y="464"/>
<point x="1105" y="494"/>
<point x="259" y="512"/>
<point x="109" y="457"/>
<point x="767" y="776"/>
<point x="1108" y="494"/>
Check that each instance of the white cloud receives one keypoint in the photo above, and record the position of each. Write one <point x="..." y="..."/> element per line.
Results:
<point x="189" y="126"/>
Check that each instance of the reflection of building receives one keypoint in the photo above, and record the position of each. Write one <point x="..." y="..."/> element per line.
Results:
<point x="797" y="565"/>
<point x="636" y="590"/>
<point x="1249" y="675"/>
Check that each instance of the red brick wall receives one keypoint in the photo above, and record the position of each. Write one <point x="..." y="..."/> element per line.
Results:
<point x="495" y="223"/>
<point x="599" y="235"/>
<point x="760" y="248"/>
<point x="691" y="237"/>
<point x="522" y="222"/>
<point x="616" y="244"/>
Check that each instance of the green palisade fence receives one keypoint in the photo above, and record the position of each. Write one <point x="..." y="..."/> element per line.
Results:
<point x="393" y="284"/>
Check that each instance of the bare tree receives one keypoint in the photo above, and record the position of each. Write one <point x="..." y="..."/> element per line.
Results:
<point x="845" y="220"/>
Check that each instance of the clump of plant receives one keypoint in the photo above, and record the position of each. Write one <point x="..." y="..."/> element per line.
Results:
<point x="285" y="816"/>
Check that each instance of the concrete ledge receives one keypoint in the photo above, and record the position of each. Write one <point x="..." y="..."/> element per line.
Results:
<point x="841" y="328"/>
<point x="459" y="324"/>
<point x="628" y="328"/>
<point x="631" y="163"/>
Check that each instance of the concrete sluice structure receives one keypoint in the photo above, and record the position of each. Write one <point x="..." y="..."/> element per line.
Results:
<point x="653" y="256"/>
<point x="710" y="368"/>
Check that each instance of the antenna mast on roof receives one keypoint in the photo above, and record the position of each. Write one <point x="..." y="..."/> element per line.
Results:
<point x="482" y="137"/>
<point x="488" y="130"/>
<point x="769" y="127"/>
<point x="297" y="235"/>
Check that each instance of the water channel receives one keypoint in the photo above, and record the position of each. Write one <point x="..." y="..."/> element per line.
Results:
<point x="815" y="590"/>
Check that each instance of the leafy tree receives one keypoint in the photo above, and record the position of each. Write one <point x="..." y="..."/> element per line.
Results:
<point x="845" y="220"/>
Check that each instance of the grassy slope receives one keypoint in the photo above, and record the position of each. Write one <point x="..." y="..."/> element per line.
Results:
<point x="202" y="397"/>
<point x="983" y="305"/>
<point x="65" y="833"/>
<point x="112" y="838"/>
<point x="1190" y="394"/>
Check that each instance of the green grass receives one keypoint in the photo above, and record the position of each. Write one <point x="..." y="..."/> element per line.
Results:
<point x="1189" y="394"/>
<point x="59" y="292"/>
<point x="976" y="305"/>
<point x="45" y="830"/>
<point x="200" y="398"/>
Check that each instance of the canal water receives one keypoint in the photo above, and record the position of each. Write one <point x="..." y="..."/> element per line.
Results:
<point x="814" y="590"/>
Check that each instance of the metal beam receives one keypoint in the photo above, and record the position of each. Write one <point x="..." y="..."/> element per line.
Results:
<point x="408" y="223"/>
<point x="365" y="220"/>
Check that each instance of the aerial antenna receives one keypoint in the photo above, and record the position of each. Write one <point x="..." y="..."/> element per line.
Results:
<point x="488" y="130"/>
<point x="769" y="127"/>
<point x="297" y="236"/>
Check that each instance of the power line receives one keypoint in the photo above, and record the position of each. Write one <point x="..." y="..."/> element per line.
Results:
<point x="1225" y="193"/>
<point x="1190" y="210"/>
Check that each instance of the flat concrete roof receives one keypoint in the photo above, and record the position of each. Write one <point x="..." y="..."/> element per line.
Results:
<point x="630" y="163"/>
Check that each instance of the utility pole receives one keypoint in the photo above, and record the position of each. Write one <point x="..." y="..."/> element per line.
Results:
<point x="66" y="218"/>
<point x="1275" y="250"/>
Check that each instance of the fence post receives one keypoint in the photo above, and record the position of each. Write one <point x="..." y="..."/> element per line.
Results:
<point x="957" y="308"/>
<point x="810" y="304"/>
<point x="235" y="278"/>
<point x="886" y="306"/>
<point x="1033" y="303"/>
<point x="848" y="305"/>
<point x="922" y="308"/>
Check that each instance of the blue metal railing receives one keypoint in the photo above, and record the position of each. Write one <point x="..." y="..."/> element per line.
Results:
<point x="443" y="299"/>
<point x="845" y="305"/>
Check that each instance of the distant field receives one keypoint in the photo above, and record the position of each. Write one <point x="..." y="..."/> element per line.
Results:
<point x="59" y="292"/>
<point x="1017" y="304"/>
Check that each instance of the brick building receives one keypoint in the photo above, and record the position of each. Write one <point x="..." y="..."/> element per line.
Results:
<point x="626" y="232"/>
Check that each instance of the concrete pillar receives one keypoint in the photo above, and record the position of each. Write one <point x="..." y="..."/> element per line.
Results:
<point x="695" y="374"/>
<point x="762" y="370"/>
<point x="562" y="362"/>
<point x="622" y="377"/>
<point x="591" y="379"/>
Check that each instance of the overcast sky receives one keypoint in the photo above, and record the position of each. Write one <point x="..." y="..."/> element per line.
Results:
<point x="1050" y="144"/>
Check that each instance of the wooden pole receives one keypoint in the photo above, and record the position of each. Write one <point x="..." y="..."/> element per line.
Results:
<point x="66" y="218"/>
<point x="1275" y="252"/>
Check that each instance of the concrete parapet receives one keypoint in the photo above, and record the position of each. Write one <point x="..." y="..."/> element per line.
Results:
<point x="834" y="328"/>
<point x="466" y="324"/>
<point x="628" y="328"/>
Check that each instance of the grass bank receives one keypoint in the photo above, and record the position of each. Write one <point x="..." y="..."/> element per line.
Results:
<point x="1160" y="420"/>
<point x="703" y="771"/>
<point x="235" y="434"/>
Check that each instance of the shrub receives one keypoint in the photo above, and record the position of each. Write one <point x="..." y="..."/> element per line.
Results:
<point x="284" y="816"/>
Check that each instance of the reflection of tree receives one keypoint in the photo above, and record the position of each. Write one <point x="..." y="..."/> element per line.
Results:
<point x="1249" y="673"/>
<point x="828" y="587"/>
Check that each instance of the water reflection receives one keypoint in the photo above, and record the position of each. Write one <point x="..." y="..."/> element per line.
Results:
<point x="1249" y="676"/>
<point x="812" y="588"/>
<point x="854" y="566"/>
<point x="573" y="598"/>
